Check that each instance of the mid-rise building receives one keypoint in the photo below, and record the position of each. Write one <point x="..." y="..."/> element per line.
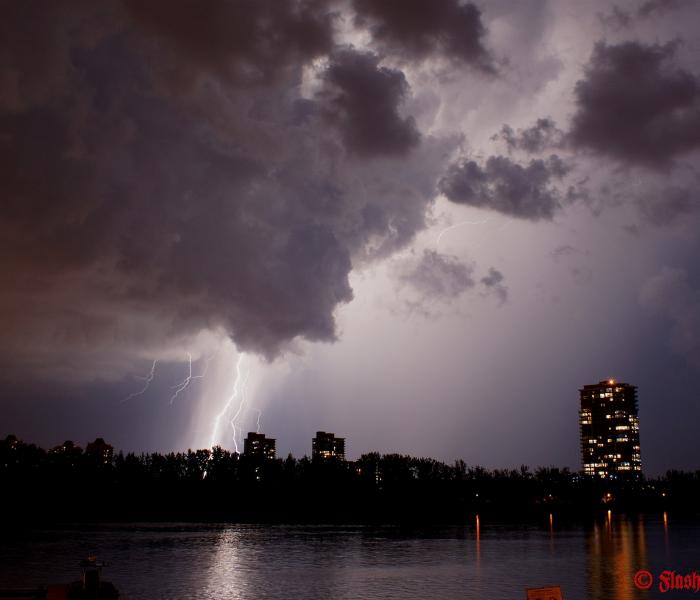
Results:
<point x="610" y="430"/>
<point x="67" y="448"/>
<point x="256" y="444"/>
<point x="326" y="446"/>
<point x="11" y="442"/>
<point x="100" y="450"/>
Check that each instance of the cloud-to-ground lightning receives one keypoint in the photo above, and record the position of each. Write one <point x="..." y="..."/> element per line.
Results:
<point x="257" y="423"/>
<point x="234" y="419"/>
<point x="147" y="379"/>
<point x="238" y="386"/>
<point x="187" y="380"/>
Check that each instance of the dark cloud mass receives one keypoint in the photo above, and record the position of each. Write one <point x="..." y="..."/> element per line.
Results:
<point x="636" y="105"/>
<point x="525" y="192"/>
<point x="423" y="28"/>
<point x="163" y="174"/>
<point x="247" y="40"/>
<point x="542" y="136"/>
<point x="362" y="100"/>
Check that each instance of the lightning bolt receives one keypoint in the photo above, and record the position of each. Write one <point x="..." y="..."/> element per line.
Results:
<point x="257" y="423"/>
<point x="233" y="420"/>
<point x="187" y="380"/>
<point x="147" y="378"/>
<point x="238" y="386"/>
<point x="454" y="226"/>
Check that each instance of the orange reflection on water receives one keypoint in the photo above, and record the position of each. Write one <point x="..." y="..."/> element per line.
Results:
<point x="613" y="558"/>
<point x="477" y="562"/>
<point x="478" y="540"/>
<point x="551" y="533"/>
<point x="623" y="562"/>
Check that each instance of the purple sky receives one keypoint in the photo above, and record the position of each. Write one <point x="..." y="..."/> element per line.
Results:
<point x="420" y="224"/>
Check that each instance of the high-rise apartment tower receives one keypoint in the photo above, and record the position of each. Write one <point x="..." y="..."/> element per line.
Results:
<point x="610" y="430"/>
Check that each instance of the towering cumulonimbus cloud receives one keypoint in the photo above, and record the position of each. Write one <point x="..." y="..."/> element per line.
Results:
<point x="174" y="167"/>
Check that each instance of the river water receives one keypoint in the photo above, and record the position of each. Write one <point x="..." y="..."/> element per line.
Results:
<point x="480" y="560"/>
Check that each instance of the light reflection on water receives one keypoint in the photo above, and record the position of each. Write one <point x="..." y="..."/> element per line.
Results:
<point x="479" y="560"/>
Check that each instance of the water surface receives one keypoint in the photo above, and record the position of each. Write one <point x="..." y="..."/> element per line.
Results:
<point x="593" y="561"/>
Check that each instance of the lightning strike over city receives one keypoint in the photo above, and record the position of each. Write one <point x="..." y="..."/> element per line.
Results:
<point x="257" y="420"/>
<point x="238" y="393"/>
<point x="448" y="247"/>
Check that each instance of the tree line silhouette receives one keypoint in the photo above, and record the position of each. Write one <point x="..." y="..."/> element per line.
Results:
<point x="67" y="483"/>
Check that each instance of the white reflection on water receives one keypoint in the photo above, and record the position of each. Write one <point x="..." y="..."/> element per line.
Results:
<point x="226" y="570"/>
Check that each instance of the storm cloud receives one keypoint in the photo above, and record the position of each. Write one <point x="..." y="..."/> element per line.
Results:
<point x="418" y="29"/>
<point x="362" y="101"/>
<point x="636" y="105"/>
<point x="164" y="176"/>
<point x="248" y="41"/>
<point x="502" y="185"/>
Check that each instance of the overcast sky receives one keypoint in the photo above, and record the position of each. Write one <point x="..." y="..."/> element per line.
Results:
<point x="420" y="224"/>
